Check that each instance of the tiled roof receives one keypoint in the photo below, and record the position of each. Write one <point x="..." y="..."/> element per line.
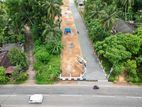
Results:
<point x="10" y="69"/>
<point x="125" y="27"/>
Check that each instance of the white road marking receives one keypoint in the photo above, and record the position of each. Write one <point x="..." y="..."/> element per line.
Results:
<point x="71" y="95"/>
<point x="134" y="97"/>
<point x="75" y="95"/>
<point x="5" y="95"/>
<point x="104" y="96"/>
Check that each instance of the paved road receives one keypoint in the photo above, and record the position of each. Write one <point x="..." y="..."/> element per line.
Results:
<point x="72" y="89"/>
<point x="74" y="101"/>
<point x="72" y="96"/>
<point x="94" y="70"/>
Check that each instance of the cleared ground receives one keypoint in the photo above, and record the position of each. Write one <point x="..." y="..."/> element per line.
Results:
<point x="71" y="47"/>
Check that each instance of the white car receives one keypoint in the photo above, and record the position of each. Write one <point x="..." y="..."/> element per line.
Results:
<point x="36" y="98"/>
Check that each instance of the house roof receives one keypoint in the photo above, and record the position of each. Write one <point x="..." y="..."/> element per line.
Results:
<point x="10" y="69"/>
<point x="9" y="46"/>
<point x="4" y="61"/>
<point x="124" y="27"/>
<point x="2" y="55"/>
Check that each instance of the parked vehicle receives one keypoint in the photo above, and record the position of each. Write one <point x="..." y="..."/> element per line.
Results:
<point x="36" y="98"/>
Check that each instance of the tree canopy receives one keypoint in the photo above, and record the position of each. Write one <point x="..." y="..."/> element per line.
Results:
<point x="121" y="51"/>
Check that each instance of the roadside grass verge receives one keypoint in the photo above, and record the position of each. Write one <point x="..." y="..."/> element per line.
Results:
<point x="48" y="73"/>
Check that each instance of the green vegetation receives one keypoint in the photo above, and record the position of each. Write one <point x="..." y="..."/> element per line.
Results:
<point x="42" y="55"/>
<point x="3" y="17"/>
<point x="122" y="51"/>
<point x="3" y="78"/>
<point x="47" y="64"/>
<point x="47" y="71"/>
<point x="37" y="21"/>
<point x="18" y="76"/>
<point x="48" y="46"/>
<point x="18" y="58"/>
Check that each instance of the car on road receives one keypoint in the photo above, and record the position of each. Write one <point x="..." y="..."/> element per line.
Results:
<point x="36" y="99"/>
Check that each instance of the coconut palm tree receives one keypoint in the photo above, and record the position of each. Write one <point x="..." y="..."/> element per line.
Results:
<point x="110" y="16"/>
<point x="97" y="10"/>
<point x="33" y="13"/>
<point x="52" y="8"/>
<point x="3" y="21"/>
<point x="127" y="7"/>
<point x="106" y="13"/>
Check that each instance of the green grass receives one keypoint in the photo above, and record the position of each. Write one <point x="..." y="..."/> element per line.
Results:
<point x="48" y="73"/>
<point x="107" y="66"/>
<point x="54" y="59"/>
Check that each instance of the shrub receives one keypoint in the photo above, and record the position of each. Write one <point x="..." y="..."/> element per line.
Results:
<point x="54" y="47"/>
<point x="119" y="68"/>
<point x="3" y="78"/>
<point x="42" y="55"/>
<point x="96" y="32"/>
<point x="123" y="52"/>
<point x="48" y="73"/>
<point x="37" y="65"/>
<point x="17" y="57"/>
<point x="19" y="76"/>
<point x="16" y="72"/>
<point x="112" y="78"/>
<point x="22" y="77"/>
<point x="131" y="71"/>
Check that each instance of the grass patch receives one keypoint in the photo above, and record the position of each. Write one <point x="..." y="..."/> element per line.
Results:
<point x="48" y="73"/>
<point x="107" y="66"/>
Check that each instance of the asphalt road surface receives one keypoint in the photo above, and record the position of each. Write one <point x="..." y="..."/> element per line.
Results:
<point x="94" y="69"/>
<point x="71" y="96"/>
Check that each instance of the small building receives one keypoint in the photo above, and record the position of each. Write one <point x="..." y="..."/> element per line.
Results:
<point x="9" y="46"/>
<point x="4" y="61"/>
<point x="10" y="70"/>
<point x="124" y="27"/>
